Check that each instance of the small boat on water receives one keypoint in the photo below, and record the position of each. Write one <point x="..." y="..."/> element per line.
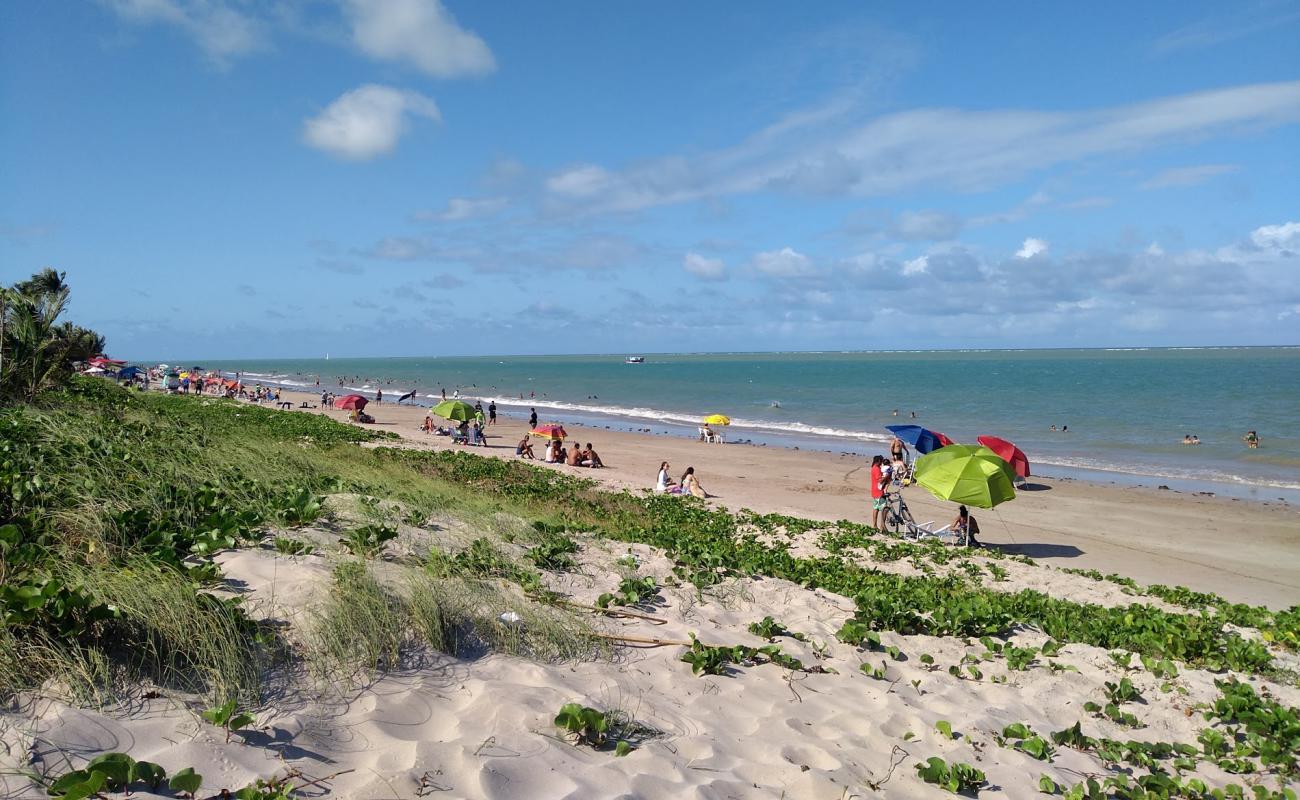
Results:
<point x="634" y="360"/>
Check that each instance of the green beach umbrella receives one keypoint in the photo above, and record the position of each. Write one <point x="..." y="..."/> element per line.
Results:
<point x="454" y="410"/>
<point x="968" y="474"/>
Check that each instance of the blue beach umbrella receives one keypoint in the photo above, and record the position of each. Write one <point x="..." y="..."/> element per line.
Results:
<point x="921" y="439"/>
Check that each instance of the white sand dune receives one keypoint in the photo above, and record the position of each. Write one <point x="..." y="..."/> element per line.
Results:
<point x="483" y="728"/>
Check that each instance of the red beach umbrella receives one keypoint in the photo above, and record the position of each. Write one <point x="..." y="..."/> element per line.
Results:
<point x="351" y="401"/>
<point x="944" y="441"/>
<point x="1008" y="452"/>
<point x="550" y="431"/>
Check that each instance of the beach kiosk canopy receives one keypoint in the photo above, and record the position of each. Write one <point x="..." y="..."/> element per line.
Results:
<point x="968" y="474"/>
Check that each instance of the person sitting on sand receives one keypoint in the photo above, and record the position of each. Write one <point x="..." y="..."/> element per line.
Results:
<point x="427" y="427"/>
<point x="552" y="453"/>
<point x="966" y="525"/>
<point x="574" y="456"/>
<point x="590" y="459"/>
<point x="525" y="448"/>
<point x="691" y="485"/>
<point x="665" y="484"/>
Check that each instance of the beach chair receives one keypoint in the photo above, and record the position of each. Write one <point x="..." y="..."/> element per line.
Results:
<point x="706" y="435"/>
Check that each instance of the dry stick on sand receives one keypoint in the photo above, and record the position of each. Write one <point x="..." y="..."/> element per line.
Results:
<point x="646" y="640"/>
<point x="614" y="612"/>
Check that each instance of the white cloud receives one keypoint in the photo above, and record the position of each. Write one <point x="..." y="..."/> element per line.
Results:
<point x="401" y="248"/>
<point x="917" y="226"/>
<point x="581" y="181"/>
<point x="463" y="208"/>
<point x="784" y="263"/>
<point x="916" y="265"/>
<point x="954" y="148"/>
<point x="711" y="269"/>
<point x="1032" y="247"/>
<point x="1154" y="249"/>
<point x="366" y="122"/>
<point x="1187" y="176"/>
<point x="220" y="29"/>
<point x="1280" y="237"/>
<point x="420" y="33"/>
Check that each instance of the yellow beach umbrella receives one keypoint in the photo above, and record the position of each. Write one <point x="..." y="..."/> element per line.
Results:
<point x="717" y="419"/>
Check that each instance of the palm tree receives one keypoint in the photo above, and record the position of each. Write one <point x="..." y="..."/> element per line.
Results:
<point x="35" y="352"/>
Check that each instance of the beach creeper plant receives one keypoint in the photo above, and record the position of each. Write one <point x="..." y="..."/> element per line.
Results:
<point x="632" y="592"/>
<point x="590" y="727"/>
<point x="957" y="778"/>
<point x="368" y="541"/>
<point x="228" y="716"/>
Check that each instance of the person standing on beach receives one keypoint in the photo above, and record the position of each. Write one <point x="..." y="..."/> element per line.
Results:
<point x="878" y="479"/>
<point x="532" y="418"/>
<point x="898" y="450"/>
<point x="492" y="413"/>
<point x="379" y="396"/>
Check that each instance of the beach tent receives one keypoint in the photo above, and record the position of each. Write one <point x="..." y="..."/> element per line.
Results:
<point x="351" y="401"/>
<point x="454" y="410"/>
<point x="921" y="439"/>
<point x="1008" y="452"/>
<point x="551" y="431"/>
<point x="128" y="372"/>
<point x="968" y="474"/>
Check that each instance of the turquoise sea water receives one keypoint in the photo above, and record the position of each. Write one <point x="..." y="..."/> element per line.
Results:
<point x="1127" y="410"/>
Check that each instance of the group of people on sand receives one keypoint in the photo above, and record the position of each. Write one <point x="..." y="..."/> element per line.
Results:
<point x="892" y="474"/>
<point x="688" y="484"/>
<point x="555" y="452"/>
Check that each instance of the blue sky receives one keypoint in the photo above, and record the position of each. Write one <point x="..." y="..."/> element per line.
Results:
<point x="229" y="178"/>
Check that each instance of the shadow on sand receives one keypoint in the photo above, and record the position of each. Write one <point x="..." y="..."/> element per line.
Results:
<point x="1035" y="550"/>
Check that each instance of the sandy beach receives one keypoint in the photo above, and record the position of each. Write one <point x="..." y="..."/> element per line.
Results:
<point x="846" y="719"/>
<point x="1247" y="551"/>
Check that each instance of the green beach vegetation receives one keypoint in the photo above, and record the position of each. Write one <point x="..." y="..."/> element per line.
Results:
<point x="114" y="504"/>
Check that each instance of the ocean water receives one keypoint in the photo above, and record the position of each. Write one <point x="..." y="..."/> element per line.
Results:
<point x="1126" y="410"/>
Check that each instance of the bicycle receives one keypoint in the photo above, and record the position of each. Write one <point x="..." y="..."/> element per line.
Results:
<point x="897" y="517"/>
